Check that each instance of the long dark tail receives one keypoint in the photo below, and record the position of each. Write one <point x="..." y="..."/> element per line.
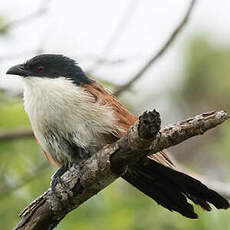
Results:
<point x="171" y="188"/>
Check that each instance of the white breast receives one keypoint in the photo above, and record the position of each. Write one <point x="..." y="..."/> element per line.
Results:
<point x="59" y="105"/>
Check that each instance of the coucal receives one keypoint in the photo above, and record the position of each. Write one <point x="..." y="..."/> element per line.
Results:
<point x="73" y="116"/>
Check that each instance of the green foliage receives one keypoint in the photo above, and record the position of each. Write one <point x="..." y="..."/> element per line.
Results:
<point x="121" y="206"/>
<point x="3" y="27"/>
<point x="207" y="84"/>
<point x="13" y="115"/>
<point x="207" y="74"/>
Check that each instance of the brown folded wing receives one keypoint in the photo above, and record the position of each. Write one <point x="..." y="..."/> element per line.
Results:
<point x="125" y="118"/>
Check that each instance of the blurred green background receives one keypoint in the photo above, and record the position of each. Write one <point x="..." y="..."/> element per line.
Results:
<point x="204" y="86"/>
<point x="120" y="206"/>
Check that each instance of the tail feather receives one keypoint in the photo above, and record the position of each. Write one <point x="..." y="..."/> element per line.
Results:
<point x="171" y="188"/>
<point x="205" y="205"/>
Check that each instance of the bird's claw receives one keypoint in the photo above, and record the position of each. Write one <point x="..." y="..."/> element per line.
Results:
<point x="56" y="179"/>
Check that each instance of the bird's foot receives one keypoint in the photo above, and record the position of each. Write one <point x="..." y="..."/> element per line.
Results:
<point x="78" y="168"/>
<point x="56" y="179"/>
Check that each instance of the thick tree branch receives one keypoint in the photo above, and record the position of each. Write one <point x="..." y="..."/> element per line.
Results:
<point x="102" y="168"/>
<point x="161" y="51"/>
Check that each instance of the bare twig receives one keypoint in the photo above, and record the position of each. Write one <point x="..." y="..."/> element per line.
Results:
<point x="120" y="28"/>
<point x="98" y="171"/>
<point x="22" y="21"/>
<point x="41" y="11"/>
<point x="16" y="134"/>
<point x="156" y="56"/>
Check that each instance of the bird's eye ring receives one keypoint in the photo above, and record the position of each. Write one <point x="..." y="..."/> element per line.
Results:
<point x="40" y="68"/>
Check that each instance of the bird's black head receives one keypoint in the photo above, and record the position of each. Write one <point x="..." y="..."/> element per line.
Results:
<point x="51" y="66"/>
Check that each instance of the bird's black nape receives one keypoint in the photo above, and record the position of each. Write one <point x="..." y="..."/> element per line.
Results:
<point x="52" y="66"/>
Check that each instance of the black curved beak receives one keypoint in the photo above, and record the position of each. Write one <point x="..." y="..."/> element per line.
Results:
<point x="18" y="70"/>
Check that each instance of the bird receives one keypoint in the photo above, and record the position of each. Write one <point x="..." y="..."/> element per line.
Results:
<point x="73" y="116"/>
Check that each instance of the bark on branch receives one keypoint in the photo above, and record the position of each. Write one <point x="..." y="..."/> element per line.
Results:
<point x="109" y="163"/>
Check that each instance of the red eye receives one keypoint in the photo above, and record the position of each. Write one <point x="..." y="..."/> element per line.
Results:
<point x="40" y="68"/>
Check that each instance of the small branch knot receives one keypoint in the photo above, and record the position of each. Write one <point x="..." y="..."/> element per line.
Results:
<point x="149" y="124"/>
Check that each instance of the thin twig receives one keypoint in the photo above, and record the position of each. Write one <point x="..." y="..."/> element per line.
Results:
<point x="22" y="21"/>
<point x="116" y="35"/>
<point x="156" y="56"/>
<point x="41" y="11"/>
<point x="10" y="135"/>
